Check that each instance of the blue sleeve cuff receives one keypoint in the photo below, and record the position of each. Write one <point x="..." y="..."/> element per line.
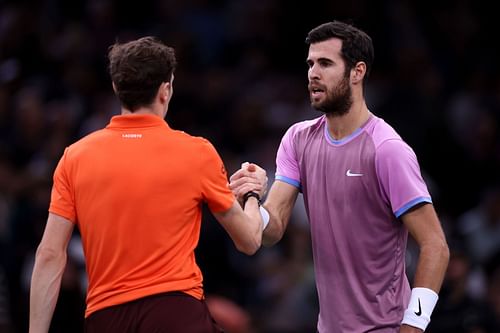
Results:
<point x="290" y="181"/>
<point x="411" y="204"/>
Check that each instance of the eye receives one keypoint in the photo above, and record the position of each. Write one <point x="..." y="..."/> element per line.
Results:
<point x="325" y="63"/>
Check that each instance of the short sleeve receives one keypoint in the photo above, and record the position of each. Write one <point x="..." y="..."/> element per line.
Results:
<point x="287" y="165"/>
<point x="62" y="200"/>
<point x="214" y="183"/>
<point x="399" y="176"/>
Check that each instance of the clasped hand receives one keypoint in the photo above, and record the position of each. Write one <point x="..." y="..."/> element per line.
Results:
<point x="250" y="177"/>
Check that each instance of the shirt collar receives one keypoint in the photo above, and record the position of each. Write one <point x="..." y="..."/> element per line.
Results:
<point x="136" y="121"/>
<point x="351" y="136"/>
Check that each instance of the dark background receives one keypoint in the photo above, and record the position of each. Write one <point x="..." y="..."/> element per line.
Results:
<point x="241" y="82"/>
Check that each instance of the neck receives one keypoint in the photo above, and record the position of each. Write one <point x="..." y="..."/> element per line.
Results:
<point x="344" y="125"/>
<point x="155" y="111"/>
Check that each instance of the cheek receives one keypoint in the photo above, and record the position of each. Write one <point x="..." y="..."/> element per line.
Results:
<point x="334" y="78"/>
<point x="333" y="84"/>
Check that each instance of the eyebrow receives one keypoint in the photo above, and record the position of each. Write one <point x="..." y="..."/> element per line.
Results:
<point x="322" y="59"/>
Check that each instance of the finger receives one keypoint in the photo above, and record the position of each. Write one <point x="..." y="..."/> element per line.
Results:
<point x="242" y="181"/>
<point x="238" y="174"/>
<point x="257" y="167"/>
<point x="237" y="186"/>
<point x="245" y="189"/>
<point x="243" y="171"/>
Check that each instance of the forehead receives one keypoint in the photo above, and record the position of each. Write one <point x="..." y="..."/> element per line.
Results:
<point x="329" y="49"/>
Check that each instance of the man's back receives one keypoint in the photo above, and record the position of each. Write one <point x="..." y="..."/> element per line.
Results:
<point x="137" y="188"/>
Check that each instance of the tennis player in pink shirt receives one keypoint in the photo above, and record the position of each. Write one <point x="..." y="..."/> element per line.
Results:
<point x="363" y="192"/>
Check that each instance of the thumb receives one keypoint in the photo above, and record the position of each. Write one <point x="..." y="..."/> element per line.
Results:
<point x="244" y="165"/>
<point x="251" y="167"/>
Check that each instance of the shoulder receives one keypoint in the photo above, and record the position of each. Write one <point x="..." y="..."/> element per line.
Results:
<point x="304" y="128"/>
<point x="197" y="147"/>
<point x="193" y="140"/>
<point x="85" y="143"/>
<point x="383" y="134"/>
<point x="388" y="143"/>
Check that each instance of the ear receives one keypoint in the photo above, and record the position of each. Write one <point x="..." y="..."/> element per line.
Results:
<point x="358" y="72"/>
<point x="164" y="91"/>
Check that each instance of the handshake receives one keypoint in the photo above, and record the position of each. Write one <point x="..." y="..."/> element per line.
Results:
<point x="249" y="178"/>
<point x="251" y="181"/>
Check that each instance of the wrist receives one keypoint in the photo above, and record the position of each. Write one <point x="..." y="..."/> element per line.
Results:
<point x="251" y="194"/>
<point x="264" y="214"/>
<point x="420" y="307"/>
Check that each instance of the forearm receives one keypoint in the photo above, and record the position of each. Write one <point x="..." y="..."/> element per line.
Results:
<point x="431" y="266"/>
<point x="244" y="226"/>
<point x="279" y="202"/>
<point x="254" y="225"/>
<point x="275" y="229"/>
<point x="45" y="286"/>
<point x="429" y="276"/>
<point x="270" y="237"/>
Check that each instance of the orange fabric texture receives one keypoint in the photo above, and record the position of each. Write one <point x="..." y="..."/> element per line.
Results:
<point x="135" y="190"/>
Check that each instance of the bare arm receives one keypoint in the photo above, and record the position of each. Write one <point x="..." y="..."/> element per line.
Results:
<point x="49" y="267"/>
<point x="279" y="203"/>
<point x="423" y="224"/>
<point x="243" y="226"/>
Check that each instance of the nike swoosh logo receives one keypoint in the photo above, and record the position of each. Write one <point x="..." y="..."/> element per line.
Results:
<point x="352" y="174"/>
<point x="419" y="312"/>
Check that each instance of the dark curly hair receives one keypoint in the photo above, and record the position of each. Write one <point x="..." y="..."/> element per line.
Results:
<point x="138" y="68"/>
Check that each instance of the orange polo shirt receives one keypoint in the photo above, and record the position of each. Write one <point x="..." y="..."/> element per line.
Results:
<point x="135" y="190"/>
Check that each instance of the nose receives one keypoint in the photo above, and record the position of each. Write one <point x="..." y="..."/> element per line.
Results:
<point x="313" y="73"/>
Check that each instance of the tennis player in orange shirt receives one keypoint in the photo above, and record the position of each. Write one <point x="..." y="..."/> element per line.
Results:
<point x="135" y="191"/>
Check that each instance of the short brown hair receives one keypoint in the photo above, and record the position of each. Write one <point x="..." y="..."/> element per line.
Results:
<point x="356" y="44"/>
<point x="138" y="68"/>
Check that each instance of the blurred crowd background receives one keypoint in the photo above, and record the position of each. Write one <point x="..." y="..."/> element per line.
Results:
<point x="241" y="81"/>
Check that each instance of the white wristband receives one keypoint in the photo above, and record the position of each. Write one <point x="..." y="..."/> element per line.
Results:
<point x="422" y="303"/>
<point x="265" y="217"/>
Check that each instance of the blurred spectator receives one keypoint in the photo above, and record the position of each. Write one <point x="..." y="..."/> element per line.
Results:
<point x="458" y="310"/>
<point x="480" y="227"/>
<point x="231" y="317"/>
<point x="5" y="320"/>
<point x="436" y="80"/>
<point x="493" y="295"/>
<point x="287" y="300"/>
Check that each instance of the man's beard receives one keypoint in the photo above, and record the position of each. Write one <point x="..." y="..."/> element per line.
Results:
<point x="336" y="102"/>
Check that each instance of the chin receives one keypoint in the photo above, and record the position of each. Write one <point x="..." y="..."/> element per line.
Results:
<point x="319" y="107"/>
<point x="332" y="112"/>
